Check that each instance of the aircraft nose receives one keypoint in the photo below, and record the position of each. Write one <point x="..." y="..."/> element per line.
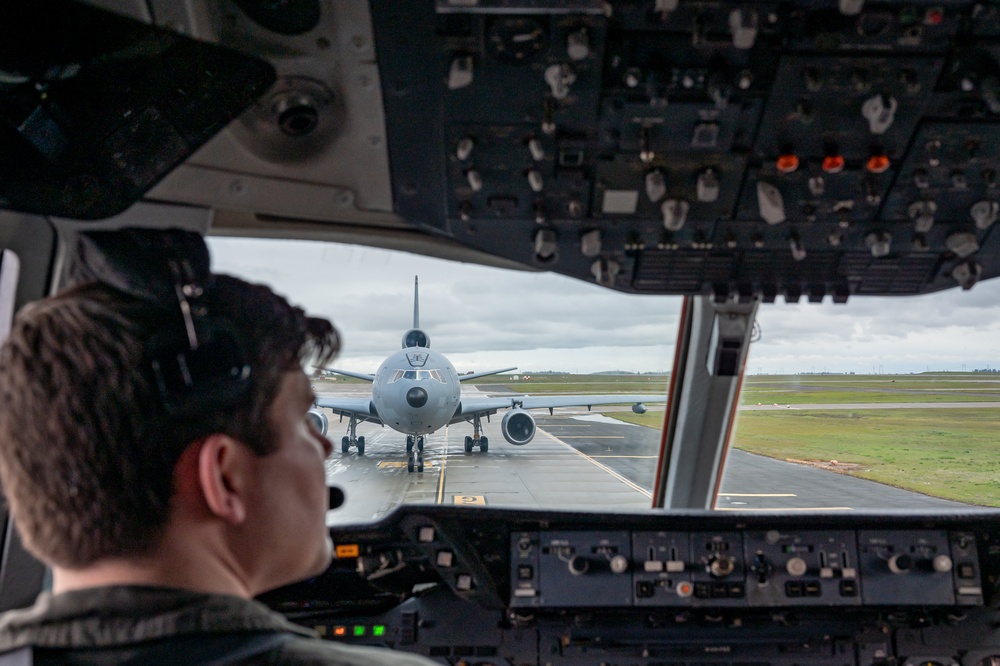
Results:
<point x="416" y="397"/>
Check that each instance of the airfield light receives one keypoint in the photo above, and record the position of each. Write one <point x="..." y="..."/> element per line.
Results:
<point x="378" y="630"/>
<point x="359" y="630"/>
<point x="340" y="631"/>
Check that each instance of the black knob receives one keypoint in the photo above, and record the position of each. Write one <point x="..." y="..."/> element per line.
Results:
<point x="578" y="565"/>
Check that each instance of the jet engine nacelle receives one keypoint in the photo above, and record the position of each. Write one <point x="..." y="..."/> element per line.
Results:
<point x="639" y="408"/>
<point x="416" y="338"/>
<point x="319" y="420"/>
<point x="518" y="427"/>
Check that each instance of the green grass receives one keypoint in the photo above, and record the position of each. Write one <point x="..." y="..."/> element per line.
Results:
<point x="948" y="453"/>
<point x="784" y="389"/>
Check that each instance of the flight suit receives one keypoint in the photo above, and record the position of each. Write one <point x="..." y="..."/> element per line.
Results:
<point x="141" y="625"/>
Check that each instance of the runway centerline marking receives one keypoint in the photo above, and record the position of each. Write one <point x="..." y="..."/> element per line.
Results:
<point x="444" y="457"/>
<point x="624" y="456"/>
<point x="604" y="467"/>
<point x="592" y="436"/>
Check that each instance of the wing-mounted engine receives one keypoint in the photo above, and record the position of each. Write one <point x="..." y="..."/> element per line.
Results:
<point x="319" y="420"/>
<point x="416" y="338"/>
<point x="518" y="427"/>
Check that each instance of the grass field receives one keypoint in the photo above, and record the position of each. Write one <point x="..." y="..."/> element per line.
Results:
<point x="949" y="453"/>
<point x="787" y="389"/>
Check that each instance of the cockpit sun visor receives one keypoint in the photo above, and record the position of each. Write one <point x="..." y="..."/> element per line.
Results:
<point x="95" y="108"/>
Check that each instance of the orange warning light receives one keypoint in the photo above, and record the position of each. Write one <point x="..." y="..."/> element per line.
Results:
<point x="788" y="163"/>
<point x="877" y="163"/>
<point x="348" y="550"/>
<point x="340" y="631"/>
<point x="833" y="164"/>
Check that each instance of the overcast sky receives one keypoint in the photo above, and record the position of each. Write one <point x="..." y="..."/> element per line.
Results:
<point x="486" y="318"/>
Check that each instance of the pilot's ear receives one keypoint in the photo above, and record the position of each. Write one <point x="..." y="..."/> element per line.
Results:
<point x="222" y="477"/>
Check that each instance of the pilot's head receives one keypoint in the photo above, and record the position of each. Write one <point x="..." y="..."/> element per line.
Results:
<point x="97" y="470"/>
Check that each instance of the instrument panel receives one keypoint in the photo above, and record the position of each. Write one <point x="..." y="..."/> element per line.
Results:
<point x="815" y="148"/>
<point x="494" y="586"/>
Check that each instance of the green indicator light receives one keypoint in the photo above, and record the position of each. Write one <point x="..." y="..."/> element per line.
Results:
<point x="378" y="630"/>
<point x="359" y="630"/>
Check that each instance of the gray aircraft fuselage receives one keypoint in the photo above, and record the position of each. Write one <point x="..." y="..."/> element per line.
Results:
<point x="416" y="391"/>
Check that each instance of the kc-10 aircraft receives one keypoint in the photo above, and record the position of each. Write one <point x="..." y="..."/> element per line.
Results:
<point x="417" y="391"/>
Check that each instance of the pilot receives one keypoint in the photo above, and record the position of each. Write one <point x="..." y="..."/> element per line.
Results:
<point x="159" y="522"/>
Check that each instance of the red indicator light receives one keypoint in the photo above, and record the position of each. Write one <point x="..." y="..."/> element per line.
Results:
<point x="877" y="163"/>
<point x="788" y="163"/>
<point x="934" y="16"/>
<point x="833" y="164"/>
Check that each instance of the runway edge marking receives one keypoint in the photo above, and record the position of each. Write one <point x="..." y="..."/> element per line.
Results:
<point x="604" y="467"/>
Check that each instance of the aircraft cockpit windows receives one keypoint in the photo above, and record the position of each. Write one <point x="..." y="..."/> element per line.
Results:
<point x="417" y="375"/>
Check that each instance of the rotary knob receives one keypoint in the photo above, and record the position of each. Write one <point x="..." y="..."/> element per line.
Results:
<point x="901" y="563"/>
<point x="796" y="567"/>
<point x="579" y="565"/>
<point x="619" y="564"/>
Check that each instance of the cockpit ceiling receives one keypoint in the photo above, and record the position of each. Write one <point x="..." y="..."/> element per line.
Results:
<point x="814" y="148"/>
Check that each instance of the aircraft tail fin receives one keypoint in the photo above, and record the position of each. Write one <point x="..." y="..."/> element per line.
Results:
<point x="416" y="304"/>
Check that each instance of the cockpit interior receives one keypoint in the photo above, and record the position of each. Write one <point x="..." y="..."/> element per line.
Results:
<point x="734" y="154"/>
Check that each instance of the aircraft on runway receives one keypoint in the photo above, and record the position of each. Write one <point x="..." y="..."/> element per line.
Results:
<point x="417" y="391"/>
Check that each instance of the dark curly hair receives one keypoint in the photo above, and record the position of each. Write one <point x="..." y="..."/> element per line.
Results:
<point x="87" y="449"/>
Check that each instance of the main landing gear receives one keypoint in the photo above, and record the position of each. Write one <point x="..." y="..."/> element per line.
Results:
<point x="482" y="442"/>
<point x="352" y="439"/>
<point x="415" y="460"/>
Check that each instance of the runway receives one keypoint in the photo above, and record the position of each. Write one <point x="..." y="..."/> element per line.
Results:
<point x="577" y="461"/>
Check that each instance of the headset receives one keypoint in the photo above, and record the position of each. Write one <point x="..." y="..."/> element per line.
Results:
<point x="198" y="365"/>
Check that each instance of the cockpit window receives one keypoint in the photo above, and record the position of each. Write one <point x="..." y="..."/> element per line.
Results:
<point x="870" y="405"/>
<point x="416" y="374"/>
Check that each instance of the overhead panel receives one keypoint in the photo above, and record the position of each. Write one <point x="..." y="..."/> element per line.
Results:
<point x="816" y="148"/>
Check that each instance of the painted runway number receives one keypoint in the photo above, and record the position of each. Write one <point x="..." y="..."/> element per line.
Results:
<point x="469" y="500"/>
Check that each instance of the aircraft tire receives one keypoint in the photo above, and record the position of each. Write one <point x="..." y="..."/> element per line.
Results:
<point x="361" y="446"/>
<point x="409" y="444"/>
<point x="484" y="444"/>
<point x="420" y="443"/>
<point x="468" y="444"/>
<point x="345" y="444"/>
<point x="420" y="464"/>
<point x="409" y="464"/>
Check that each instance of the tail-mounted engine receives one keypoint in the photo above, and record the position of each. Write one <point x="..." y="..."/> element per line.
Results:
<point x="518" y="427"/>
<point x="319" y="420"/>
<point x="416" y="338"/>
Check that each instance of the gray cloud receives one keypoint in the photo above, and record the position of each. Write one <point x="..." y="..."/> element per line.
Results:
<point x="485" y="318"/>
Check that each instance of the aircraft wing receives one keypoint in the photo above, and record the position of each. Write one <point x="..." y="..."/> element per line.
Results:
<point x="473" y="405"/>
<point x="348" y="373"/>
<point x="477" y="375"/>
<point x="361" y="408"/>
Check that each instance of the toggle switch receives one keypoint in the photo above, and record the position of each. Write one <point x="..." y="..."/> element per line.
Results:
<point x="674" y="213"/>
<point x="707" y="186"/>
<point x="770" y="203"/>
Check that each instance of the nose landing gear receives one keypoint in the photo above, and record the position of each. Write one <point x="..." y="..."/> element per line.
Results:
<point x="482" y="442"/>
<point x="415" y="461"/>
<point x="352" y="439"/>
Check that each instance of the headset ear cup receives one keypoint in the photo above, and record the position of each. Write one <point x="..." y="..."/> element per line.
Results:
<point x="209" y="378"/>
